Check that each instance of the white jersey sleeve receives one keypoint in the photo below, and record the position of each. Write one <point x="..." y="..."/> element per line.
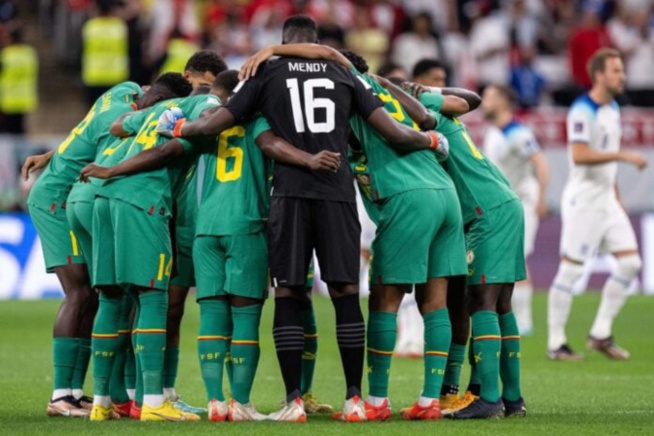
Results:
<point x="580" y="124"/>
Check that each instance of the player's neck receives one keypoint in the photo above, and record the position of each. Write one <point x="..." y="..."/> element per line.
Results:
<point x="600" y="95"/>
<point x="502" y="119"/>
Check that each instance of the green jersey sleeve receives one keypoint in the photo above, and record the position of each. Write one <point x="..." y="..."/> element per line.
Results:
<point x="432" y="101"/>
<point x="259" y="125"/>
<point x="133" y="122"/>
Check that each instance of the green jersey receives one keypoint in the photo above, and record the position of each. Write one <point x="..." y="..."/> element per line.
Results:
<point x="187" y="199"/>
<point x="154" y="191"/>
<point x="480" y="184"/>
<point x="392" y="171"/>
<point x="235" y="195"/>
<point x="82" y="146"/>
<point x="359" y="166"/>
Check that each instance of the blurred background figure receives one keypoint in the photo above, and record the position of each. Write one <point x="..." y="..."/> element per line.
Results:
<point x="391" y="70"/>
<point x="105" y="55"/>
<point x="19" y="67"/>
<point x="418" y="43"/>
<point x="512" y="146"/>
<point x="528" y="83"/>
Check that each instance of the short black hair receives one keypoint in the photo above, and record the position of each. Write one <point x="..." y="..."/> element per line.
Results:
<point x="227" y="80"/>
<point x="300" y="28"/>
<point x="357" y="60"/>
<point x="387" y="67"/>
<point x="173" y="84"/>
<point x="396" y="81"/>
<point x="206" y="60"/>
<point x="201" y="90"/>
<point x="425" y="65"/>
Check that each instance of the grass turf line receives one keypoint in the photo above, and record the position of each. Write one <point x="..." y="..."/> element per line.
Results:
<point x="596" y="396"/>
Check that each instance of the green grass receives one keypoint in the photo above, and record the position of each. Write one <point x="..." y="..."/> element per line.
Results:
<point x="597" y="396"/>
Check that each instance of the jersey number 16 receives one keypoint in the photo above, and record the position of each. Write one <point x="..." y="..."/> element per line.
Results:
<point x="311" y="104"/>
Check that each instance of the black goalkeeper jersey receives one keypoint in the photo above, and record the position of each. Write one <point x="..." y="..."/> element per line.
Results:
<point x="309" y="104"/>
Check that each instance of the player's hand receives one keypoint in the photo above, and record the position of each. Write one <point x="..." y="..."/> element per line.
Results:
<point x="93" y="170"/>
<point x="637" y="159"/>
<point x="383" y="81"/>
<point x="249" y="68"/>
<point x="34" y="163"/>
<point x="414" y="89"/>
<point x="168" y="122"/>
<point x="326" y="161"/>
<point x="541" y="209"/>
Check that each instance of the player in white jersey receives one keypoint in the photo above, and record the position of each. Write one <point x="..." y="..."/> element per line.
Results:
<point x="512" y="146"/>
<point x="593" y="217"/>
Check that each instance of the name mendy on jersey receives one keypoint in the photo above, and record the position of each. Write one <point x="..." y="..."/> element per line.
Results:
<point x="308" y="67"/>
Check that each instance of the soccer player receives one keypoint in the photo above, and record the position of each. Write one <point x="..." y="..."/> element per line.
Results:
<point x="131" y="249"/>
<point x="63" y="253"/>
<point x="430" y="72"/>
<point x="308" y="104"/>
<point x="491" y="215"/>
<point x="511" y="146"/>
<point x="592" y="214"/>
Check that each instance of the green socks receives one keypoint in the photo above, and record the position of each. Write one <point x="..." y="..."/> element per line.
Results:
<point x="438" y="336"/>
<point x="455" y="360"/>
<point x="510" y="357"/>
<point x="310" y="349"/>
<point x="382" y="333"/>
<point x="117" y="388"/>
<point x="171" y="364"/>
<point x="487" y="346"/>
<point x="64" y="357"/>
<point x="213" y="345"/>
<point x="105" y="342"/>
<point x="81" y="363"/>
<point x="151" y="340"/>
<point x="245" y="350"/>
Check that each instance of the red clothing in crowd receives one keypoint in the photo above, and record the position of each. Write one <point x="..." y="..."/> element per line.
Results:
<point x="581" y="46"/>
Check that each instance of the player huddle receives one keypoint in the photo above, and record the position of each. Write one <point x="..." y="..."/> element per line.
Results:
<point x="118" y="210"/>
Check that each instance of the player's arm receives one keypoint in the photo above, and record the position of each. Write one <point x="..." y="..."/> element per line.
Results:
<point x="147" y="160"/>
<point x="117" y="129"/>
<point x="423" y="117"/>
<point x="456" y="101"/>
<point x="279" y="150"/>
<point x="542" y="172"/>
<point x="582" y="154"/>
<point x="35" y="163"/>
<point x="304" y="50"/>
<point x="471" y="98"/>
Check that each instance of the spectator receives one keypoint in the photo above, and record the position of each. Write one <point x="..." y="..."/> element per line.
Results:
<point x="420" y="42"/>
<point x="105" y="55"/>
<point x="632" y="34"/>
<point x="178" y="52"/>
<point x="489" y="44"/>
<point x="527" y="82"/>
<point x="329" y="31"/>
<point x="584" y="42"/>
<point x="391" y="70"/>
<point x="430" y="72"/>
<point x="370" y="42"/>
<point x="18" y="83"/>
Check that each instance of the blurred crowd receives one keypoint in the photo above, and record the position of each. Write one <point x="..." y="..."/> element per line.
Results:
<point x="539" y="47"/>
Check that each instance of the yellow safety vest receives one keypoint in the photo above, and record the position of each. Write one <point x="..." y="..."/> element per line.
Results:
<point x="179" y="52"/>
<point x="18" y="79"/>
<point x="105" y="58"/>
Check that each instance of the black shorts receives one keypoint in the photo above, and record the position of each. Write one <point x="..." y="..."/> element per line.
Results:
<point x="298" y="226"/>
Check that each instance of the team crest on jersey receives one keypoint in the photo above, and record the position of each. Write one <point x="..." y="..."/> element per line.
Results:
<point x="470" y="257"/>
<point x="579" y="127"/>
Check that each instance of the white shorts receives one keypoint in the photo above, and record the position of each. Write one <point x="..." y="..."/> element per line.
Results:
<point x="586" y="231"/>
<point x="531" y="225"/>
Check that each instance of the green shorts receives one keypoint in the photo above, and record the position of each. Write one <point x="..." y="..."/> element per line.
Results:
<point x="80" y="219"/>
<point x="495" y="245"/>
<point x="58" y="240"/>
<point x="234" y="265"/>
<point x="130" y="246"/>
<point x="184" y="260"/>
<point x="419" y="236"/>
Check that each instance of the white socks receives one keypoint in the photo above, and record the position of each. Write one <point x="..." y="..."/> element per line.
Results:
<point x="131" y="394"/>
<point x="153" y="400"/>
<point x="376" y="401"/>
<point x="614" y="295"/>
<point x="521" y="302"/>
<point x="58" y="393"/>
<point x="560" y="301"/>
<point x="102" y="400"/>
<point x="169" y="393"/>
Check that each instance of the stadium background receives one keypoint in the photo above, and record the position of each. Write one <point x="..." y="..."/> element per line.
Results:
<point x="596" y="397"/>
<point x="479" y="41"/>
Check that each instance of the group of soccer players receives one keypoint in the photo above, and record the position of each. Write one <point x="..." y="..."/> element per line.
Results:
<point x="277" y="147"/>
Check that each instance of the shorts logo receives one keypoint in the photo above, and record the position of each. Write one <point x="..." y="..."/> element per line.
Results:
<point x="470" y="257"/>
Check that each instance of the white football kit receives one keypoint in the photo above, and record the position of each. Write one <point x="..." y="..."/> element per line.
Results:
<point x="511" y="149"/>
<point x="593" y="219"/>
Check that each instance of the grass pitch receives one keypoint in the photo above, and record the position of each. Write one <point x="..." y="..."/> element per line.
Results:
<point x="592" y="397"/>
